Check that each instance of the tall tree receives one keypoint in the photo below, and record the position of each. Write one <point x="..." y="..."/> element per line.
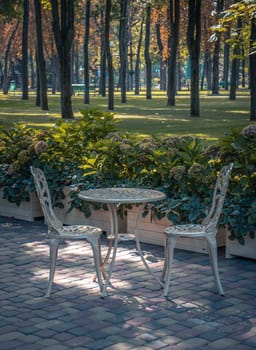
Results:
<point x="147" y="54"/>
<point x="63" y="29"/>
<point x="109" y="56"/>
<point x="235" y="61"/>
<point x="123" y="47"/>
<point x="161" y="54"/>
<point x="193" y="41"/>
<point x="102" y="82"/>
<point x="137" y="61"/>
<point x="7" y="58"/>
<point x="41" y="68"/>
<point x="174" y="23"/>
<point x="86" y="52"/>
<point x="24" y="62"/>
<point x="216" y="53"/>
<point x="226" y="61"/>
<point x="239" y="23"/>
<point x="252" y="70"/>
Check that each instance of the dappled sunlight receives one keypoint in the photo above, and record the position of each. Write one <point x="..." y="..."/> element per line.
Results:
<point x="134" y="314"/>
<point x="140" y="116"/>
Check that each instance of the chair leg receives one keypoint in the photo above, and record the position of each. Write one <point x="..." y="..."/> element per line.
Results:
<point x="162" y="278"/>
<point x="170" y="245"/>
<point x="213" y="255"/>
<point x="54" y="245"/>
<point x="95" y="245"/>
<point x="102" y="268"/>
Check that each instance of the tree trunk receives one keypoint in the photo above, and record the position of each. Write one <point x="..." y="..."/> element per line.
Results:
<point x="252" y="70"/>
<point x="123" y="48"/>
<point x="86" y="52"/>
<point x="102" y="82"/>
<point x="234" y="76"/>
<point x="109" y="56"/>
<point x="130" y="55"/>
<point x="235" y="66"/>
<point x="55" y="72"/>
<point x="162" y="63"/>
<point x="37" y="103"/>
<point x="174" y="23"/>
<point x="147" y="55"/>
<point x="76" y="64"/>
<point x="32" y="81"/>
<point x="63" y="29"/>
<point x="243" y="71"/>
<point x="193" y="40"/>
<point x="6" y="60"/>
<point x="24" y="71"/>
<point x="137" y="63"/>
<point x="216" y="53"/>
<point x="226" y="65"/>
<point x="40" y="57"/>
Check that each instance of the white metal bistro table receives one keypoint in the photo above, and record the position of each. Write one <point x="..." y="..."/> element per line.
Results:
<point x="114" y="197"/>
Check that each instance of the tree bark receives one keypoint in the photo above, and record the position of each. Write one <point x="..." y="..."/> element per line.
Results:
<point x="123" y="48"/>
<point x="162" y="62"/>
<point x="147" y="55"/>
<point x="86" y="52"/>
<point x="252" y="71"/>
<point x="137" y="63"/>
<point x="226" y="62"/>
<point x="174" y="23"/>
<point x="40" y="57"/>
<point x="63" y="29"/>
<point x="102" y="82"/>
<point x="216" y="54"/>
<point x="24" y="70"/>
<point x="235" y="66"/>
<point x="109" y="56"/>
<point x="193" y="40"/>
<point x="6" y="60"/>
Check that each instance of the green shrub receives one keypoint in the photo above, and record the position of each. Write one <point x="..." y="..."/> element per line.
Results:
<point x="240" y="212"/>
<point x="89" y="152"/>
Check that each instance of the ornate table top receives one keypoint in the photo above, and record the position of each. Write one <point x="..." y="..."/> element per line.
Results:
<point x="121" y="195"/>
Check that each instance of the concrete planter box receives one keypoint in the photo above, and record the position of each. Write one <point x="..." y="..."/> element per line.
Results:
<point x="152" y="231"/>
<point x="27" y="211"/>
<point x="234" y="248"/>
<point x="99" y="218"/>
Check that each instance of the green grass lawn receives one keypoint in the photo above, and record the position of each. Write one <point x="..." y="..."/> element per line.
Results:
<point x="140" y="116"/>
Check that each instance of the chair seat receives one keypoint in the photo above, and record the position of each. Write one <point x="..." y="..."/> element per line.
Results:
<point x="189" y="230"/>
<point x="77" y="232"/>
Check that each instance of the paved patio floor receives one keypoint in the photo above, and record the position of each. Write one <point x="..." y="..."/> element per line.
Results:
<point x="135" y="315"/>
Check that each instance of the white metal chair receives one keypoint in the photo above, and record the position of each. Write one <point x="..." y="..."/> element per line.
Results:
<point x="57" y="232"/>
<point x="207" y="229"/>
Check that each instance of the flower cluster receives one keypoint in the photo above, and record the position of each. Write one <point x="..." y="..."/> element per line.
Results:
<point x="177" y="172"/>
<point x="196" y="171"/>
<point x="249" y="131"/>
<point x="113" y="135"/>
<point x="40" y="146"/>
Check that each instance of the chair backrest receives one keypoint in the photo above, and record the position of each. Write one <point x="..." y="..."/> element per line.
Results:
<point x="219" y="195"/>
<point x="44" y="197"/>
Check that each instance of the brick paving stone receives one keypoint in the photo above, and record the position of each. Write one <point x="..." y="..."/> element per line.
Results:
<point x="118" y="346"/>
<point x="143" y="348"/>
<point x="62" y="337"/>
<point x="56" y="347"/>
<point x="195" y="343"/>
<point x="9" y="345"/>
<point x="224" y="343"/>
<point x="77" y="341"/>
<point x="134" y="315"/>
<point x="240" y="347"/>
